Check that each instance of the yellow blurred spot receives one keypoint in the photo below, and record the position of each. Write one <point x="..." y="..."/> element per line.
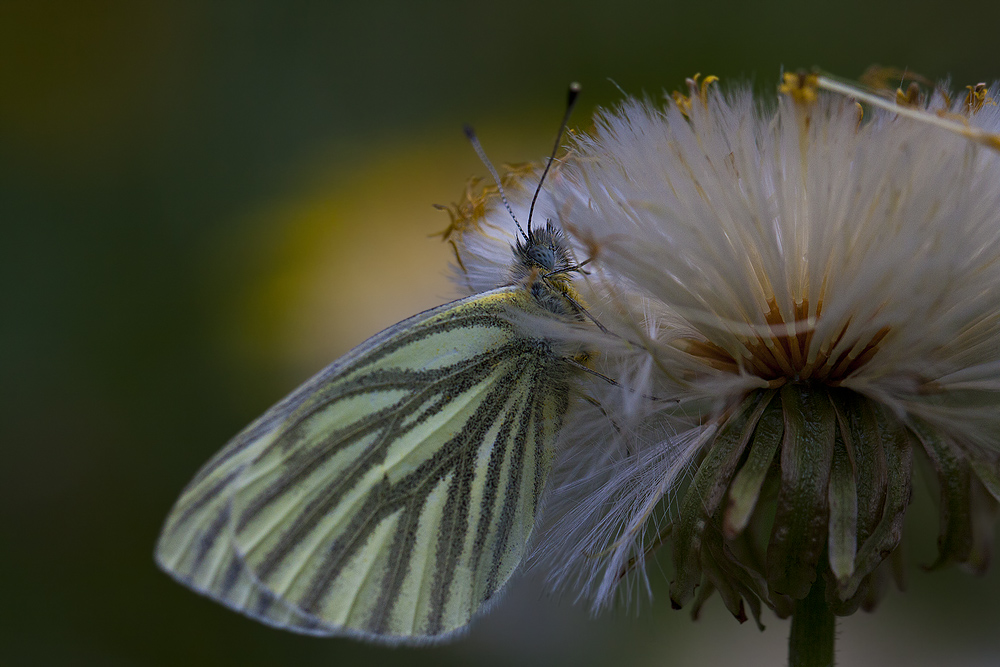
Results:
<point x="360" y="250"/>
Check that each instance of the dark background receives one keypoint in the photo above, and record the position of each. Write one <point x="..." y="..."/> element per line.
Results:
<point x="203" y="203"/>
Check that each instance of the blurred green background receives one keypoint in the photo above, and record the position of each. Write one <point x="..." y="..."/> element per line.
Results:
<point x="204" y="202"/>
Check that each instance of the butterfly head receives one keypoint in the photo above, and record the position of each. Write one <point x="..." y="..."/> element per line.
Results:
<point x="542" y="263"/>
<point x="542" y="251"/>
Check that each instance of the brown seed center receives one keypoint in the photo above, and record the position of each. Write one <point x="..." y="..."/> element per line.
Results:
<point x="786" y="357"/>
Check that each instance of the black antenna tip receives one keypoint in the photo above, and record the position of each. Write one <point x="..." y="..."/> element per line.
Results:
<point x="470" y="133"/>
<point x="574" y="91"/>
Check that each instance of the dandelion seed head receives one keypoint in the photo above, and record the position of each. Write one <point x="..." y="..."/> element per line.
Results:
<point x="752" y="258"/>
<point x="796" y="245"/>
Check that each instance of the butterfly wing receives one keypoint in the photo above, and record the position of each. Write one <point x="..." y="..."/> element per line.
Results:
<point x="394" y="494"/>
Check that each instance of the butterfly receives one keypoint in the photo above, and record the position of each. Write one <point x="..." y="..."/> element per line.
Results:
<point x="392" y="496"/>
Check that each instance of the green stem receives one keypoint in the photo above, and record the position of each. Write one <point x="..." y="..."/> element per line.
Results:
<point x="810" y="643"/>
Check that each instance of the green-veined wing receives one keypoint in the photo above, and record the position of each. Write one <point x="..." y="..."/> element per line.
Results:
<point x="392" y="495"/>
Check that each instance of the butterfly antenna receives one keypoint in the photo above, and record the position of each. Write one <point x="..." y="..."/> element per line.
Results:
<point x="470" y="134"/>
<point x="574" y="92"/>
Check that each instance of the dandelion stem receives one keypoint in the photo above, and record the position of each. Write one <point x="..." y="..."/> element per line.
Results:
<point x="810" y="643"/>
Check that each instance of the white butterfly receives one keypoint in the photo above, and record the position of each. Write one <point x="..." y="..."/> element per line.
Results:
<point x="393" y="495"/>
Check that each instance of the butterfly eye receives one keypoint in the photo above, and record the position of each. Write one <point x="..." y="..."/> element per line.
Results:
<point x="542" y="256"/>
